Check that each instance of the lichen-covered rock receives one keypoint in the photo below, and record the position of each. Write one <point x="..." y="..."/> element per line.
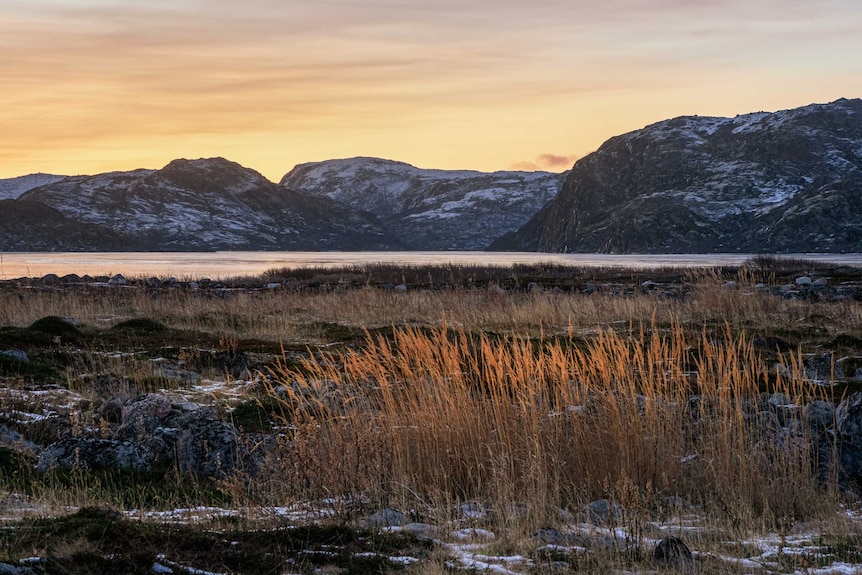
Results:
<point x="94" y="454"/>
<point x="848" y="418"/>
<point x="602" y="512"/>
<point x="209" y="447"/>
<point x="152" y="404"/>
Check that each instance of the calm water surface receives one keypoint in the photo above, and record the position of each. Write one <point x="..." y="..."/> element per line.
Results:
<point x="219" y="265"/>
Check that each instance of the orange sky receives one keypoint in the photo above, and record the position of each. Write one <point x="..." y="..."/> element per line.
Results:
<point x="97" y="85"/>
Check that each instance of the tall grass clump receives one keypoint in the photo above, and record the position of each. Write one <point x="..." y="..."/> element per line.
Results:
<point x="436" y="416"/>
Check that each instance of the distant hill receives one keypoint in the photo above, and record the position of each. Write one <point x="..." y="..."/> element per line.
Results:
<point x="12" y="188"/>
<point x="430" y="209"/>
<point x="31" y="226"/>
<point x="788" y="181"/>
<point x="210" y="204"/>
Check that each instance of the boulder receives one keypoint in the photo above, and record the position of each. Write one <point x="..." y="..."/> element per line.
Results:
<point x="602" y="512"/>
<point x="16" y="354"/>
<point x="117" y="280"/>
<point x="94" y="454"/>
<point x="673" y="551"/>
<point x="386" y="518"/>
<point x="209" y="447"/>
<point x="822" y="367"/>
<point x="153" y="404"/>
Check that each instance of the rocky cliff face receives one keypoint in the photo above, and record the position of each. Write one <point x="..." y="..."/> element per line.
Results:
<point x="210" y="204"/>
<point x="788" y="181"/>
<point x="430" y="209"/>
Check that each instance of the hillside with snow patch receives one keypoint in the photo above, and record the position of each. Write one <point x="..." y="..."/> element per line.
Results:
<point x="789" y="181"/>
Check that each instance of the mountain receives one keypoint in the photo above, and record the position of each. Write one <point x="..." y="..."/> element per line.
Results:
<point x="430" y="209"/>
<point x="789" y="181"/>
<point x="210" y="204"/>
<point x="31" y="226"/>
<point x="11" y="188"/>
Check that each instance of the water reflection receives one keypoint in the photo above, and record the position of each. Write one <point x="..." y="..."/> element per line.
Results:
<point x="217" y="265"/>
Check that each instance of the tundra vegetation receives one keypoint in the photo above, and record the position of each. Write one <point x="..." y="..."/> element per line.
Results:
<point x="533" y="419"/>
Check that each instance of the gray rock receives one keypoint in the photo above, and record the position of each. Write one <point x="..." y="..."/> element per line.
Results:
<point x="94" y="454"/>
<point x="779" y="400"/>
<point x="158" y="441"/>
<point x="551" y="536"/>
<point x="675" y="503"/>
<point x="820" y="282"/>
<point x="602" y="512"/>
<point x="590" y="289"/>
<point x="117" y="280"/>
<point x="472" y="510"/>
<point x="153" y="404"/>
<point x="848" y="417"/>
<point x="11" y="569"/>
<point x="672" y="551"/>
<point x="386" y="518"/>
<point x="16" y="354"/>
<point x="176" y="373"/>
<point x="803" y="281"/>
<point x="422" y="531"/>
<point x="14" y="440"/>
<point x="820" y="414"/>
<point x="822" y="367"/>
<point x="209" y="447"/>
<point x="400" y="287"/>
<point x="533" y="287"/>
<point x="730" y="285"/>
<point x="273" y="286"/>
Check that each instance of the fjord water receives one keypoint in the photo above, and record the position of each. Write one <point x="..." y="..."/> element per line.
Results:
<point x="221" y="265"/>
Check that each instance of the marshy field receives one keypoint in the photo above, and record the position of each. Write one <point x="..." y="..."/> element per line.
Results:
<point x="434" y="419"/>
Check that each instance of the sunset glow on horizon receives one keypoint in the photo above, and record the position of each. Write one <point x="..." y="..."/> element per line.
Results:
<point x="99" y="85"/>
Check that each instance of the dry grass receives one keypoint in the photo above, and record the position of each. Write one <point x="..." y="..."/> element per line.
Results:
<point x="437" y="417"/>
<point x="295" y="317"/>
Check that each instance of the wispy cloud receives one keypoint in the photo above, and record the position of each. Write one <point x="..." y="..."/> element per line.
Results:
<point x="546" y="162"/>
<point x="102" y="75"/>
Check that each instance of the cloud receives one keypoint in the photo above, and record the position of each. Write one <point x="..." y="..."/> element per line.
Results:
<point x="546" y="163"/>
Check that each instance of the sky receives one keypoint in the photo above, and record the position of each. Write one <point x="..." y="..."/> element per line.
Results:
<point x="88" y="86"/>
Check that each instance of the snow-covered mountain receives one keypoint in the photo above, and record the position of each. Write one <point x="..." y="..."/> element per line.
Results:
<point x="789" y="181"/>
<point x="430" y="209"/>
<point x="12" y="188"/>
<point x="209" y="204"/>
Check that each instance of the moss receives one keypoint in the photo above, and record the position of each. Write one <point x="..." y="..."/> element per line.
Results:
<point x="55" y="326"/>
<point x="140" y="326"/>
<point x="23" y="338"/>
<point x="38" y="368"/>
<point x="255" y="415"/>
<point x="103" y="541"/>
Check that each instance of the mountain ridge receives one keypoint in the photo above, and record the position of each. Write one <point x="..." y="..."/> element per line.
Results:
<point x="786" y="181"/>
<point x="430" y="209"/>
